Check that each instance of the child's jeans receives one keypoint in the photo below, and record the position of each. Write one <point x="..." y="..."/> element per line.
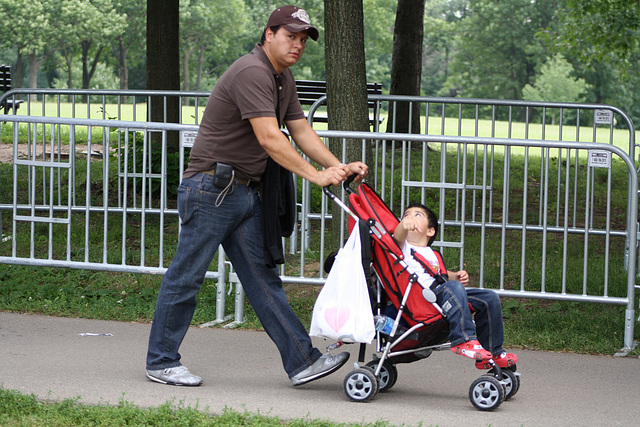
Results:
<point x="454" y="299"/>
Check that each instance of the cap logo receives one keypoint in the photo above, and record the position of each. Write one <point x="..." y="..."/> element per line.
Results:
<point x="302" y="15"/>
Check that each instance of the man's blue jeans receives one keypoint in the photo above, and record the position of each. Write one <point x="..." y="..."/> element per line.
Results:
<point x="454" y="299"/>
<point x="236" y="224"/>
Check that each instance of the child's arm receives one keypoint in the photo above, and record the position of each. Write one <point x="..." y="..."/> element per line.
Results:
<point x="402" y="230"/>
<point x="461" y="276"/>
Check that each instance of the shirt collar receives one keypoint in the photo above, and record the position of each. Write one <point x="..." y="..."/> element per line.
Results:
<point x="262" y="56"/>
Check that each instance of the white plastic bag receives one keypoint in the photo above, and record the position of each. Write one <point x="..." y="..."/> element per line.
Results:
<point x="343" y="310"/>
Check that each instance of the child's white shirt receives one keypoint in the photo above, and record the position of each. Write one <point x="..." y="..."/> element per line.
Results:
<point x="424" y="278"/>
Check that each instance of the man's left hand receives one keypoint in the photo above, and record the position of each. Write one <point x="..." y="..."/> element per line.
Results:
<point x="356" y="168"/>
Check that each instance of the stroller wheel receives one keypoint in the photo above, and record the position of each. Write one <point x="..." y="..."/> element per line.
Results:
<point x="388" y="374"/>
<point x="511" y="380"/>
<point x="486" y="393"/>
<point x="361" y="385"/>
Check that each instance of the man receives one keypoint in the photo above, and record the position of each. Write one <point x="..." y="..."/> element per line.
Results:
<point x="219" y="201"/>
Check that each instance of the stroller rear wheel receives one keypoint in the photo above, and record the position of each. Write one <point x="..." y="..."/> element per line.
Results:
<point x="388" y="374"/>
<point x="486" y="393"/>
<point x="361" y="385"/>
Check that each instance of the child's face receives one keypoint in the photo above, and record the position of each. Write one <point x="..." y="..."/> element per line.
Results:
<point x="419" y="217"/>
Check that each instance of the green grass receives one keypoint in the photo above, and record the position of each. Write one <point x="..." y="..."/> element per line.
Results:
<point x="19" y="410"/>
<point x="450" y="126"/>
<point x="531" y="324"/>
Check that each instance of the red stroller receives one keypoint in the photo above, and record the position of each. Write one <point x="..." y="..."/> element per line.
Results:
<point x="419" y="326"/>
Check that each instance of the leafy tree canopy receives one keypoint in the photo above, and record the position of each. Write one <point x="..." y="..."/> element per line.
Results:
<point x="555" y="83"/>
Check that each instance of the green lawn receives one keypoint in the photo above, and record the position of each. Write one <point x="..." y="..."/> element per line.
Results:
<point x="451" y="126"/>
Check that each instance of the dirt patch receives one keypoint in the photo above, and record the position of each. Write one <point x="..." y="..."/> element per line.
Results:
<point x="6" y="151"/>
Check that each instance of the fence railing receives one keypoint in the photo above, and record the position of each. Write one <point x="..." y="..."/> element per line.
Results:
<point x="572" y="122"/>
<point x="438" y="115"/>
<point x="529" y="218"/>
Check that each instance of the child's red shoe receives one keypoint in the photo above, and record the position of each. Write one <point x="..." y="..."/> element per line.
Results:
<point x="473" y="350"/>
<point x="506" y="360"/>
<point x="503" y="360"/>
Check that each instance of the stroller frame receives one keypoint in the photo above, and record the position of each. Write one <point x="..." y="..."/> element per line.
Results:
<point x="368" y="211"/>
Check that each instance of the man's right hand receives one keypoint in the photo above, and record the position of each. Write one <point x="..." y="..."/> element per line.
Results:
<point x="330" y="176"/>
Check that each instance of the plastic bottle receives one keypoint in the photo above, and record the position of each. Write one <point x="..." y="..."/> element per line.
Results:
<point x="384" y="324"/>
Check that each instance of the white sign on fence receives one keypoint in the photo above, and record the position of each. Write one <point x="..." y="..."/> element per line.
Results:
<point x="599" y="158"/>
<point x="603" y="117"/>
<point x="188" y="138"/>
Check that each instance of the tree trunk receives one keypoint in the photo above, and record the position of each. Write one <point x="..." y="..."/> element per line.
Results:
<point x="163" y="61"/>
<point x="406" y="65"/>
<point x="68" y="59"/>
<point x="17" y="73"/>
<point x="185" y="69"/>
<point x="33" y="73"/>
<point x="346" y="80"/>
<point x="89" y="68"/>
<point x="200" y="69"/>
<point x="124" y="67"/>
<point x="345" y="66"/>
<point x="86" y="45"/>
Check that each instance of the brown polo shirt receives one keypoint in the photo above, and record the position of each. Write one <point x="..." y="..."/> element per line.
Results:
<point x="246" y="90"/>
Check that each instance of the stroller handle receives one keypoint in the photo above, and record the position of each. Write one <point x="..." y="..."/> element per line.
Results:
<point x="346" y="185"/>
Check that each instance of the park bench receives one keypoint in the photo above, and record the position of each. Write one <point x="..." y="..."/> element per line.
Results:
<point x="5" y="86"/>
<point x="309" y="91"/>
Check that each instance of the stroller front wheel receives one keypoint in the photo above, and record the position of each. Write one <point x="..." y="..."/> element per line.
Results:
<point x="361" y="385"/>
<point x="486" y="393"/>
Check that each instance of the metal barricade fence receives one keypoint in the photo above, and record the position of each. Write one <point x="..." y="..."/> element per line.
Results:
<point x="473" y="190"/>
<point x="70" y="209"/>
<point x="571" y="122"/>
<point x="128" y="105"/>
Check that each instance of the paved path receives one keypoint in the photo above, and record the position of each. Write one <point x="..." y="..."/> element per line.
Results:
<point x="241" y="369"/>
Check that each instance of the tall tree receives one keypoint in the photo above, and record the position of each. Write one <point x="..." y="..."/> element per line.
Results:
<point x="85" y="27"/>
<point x="347" y="106"/>
<point x="441" y="18"/>
<point x="379" y="16"/>
<point x="131" y="38"/>
<point x="556" y="83"/>
<point x="406" y="64"/>
<point x="345" y="66"/>
<point x="163" y="72"/>
<point x="25" y="24"/>
<point x="208" y="25"/>
<point x="497" y="47"/>
<point x="600" y="30"/>
<point x="163" y="58"/>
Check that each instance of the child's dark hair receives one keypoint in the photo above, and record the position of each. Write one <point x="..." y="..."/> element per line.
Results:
<point x="431" y="217"/>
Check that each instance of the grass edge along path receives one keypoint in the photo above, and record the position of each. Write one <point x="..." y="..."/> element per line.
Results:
<point x="17" y="409"/>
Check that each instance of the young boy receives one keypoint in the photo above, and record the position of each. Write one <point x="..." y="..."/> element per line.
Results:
<point x="417" y="230"/>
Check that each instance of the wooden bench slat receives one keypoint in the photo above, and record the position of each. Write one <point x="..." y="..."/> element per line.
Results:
<point x="309" y="91"/>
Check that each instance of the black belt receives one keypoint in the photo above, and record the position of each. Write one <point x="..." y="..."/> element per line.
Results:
<point x="242" y="181"/>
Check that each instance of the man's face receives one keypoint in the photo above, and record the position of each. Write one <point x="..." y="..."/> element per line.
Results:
<point x="284" y="48"/>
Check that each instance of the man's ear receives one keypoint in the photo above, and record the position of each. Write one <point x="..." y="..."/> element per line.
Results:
<point x="431" y="232"/>
<point x="268" y="35"/>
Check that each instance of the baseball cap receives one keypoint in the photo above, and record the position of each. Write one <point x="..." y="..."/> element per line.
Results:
<point x="293" y="19"/>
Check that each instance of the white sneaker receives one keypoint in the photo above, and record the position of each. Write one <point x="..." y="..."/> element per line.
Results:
<point x="178" y="375"/>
